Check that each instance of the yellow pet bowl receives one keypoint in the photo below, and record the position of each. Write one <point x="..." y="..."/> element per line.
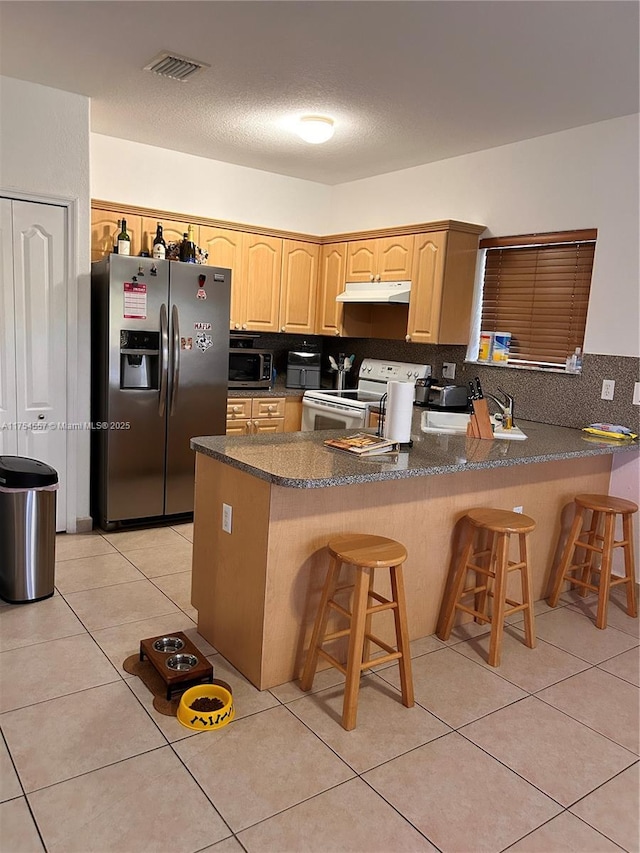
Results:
<point x="203" y="721"/>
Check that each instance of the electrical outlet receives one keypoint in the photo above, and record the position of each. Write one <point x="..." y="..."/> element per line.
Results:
<point x="448" y="370"/>
<point x="518" y="509"/>
<point x="227" y="514"/>
<point x="636" y="394"/>
<point x="608" y="388"/>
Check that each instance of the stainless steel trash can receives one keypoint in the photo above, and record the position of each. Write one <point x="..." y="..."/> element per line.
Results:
<point x="27" y="529"/>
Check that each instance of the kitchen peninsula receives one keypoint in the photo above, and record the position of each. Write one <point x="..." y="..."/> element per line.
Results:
<point x="256" y="588"/>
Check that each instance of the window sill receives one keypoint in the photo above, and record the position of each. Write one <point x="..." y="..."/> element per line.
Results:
<point x="531" y="367"/>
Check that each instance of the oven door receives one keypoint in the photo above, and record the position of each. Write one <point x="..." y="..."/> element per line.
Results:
<point x="317" y="414"/>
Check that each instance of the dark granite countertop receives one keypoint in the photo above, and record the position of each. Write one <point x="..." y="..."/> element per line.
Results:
<point x="300" y="459"/>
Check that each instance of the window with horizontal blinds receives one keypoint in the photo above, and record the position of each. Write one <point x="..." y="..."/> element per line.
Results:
<point x="539" y="292"/>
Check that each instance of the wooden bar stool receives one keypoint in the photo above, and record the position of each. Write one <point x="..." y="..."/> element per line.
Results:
<point x="485" y="551"/>
<point x="365" y="553"/>
<point x="592" y="542"/>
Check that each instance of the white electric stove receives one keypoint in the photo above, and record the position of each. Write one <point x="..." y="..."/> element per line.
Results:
<point x="349" y="409"/>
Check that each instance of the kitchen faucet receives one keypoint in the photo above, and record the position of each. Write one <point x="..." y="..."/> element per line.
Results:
<point x="505" y="407"/>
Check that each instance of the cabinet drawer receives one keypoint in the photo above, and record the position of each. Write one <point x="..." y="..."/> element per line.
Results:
<point x="268" y="407"/>
<point x="238" y="407"/>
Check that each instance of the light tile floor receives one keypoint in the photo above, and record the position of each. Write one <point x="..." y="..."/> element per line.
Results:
<point x="538" y="755"/>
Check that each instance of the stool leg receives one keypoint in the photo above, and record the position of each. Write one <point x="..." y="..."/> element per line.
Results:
<point x="605" y="570"/>
<point x="366" y="652"/>
<point x="527" y="594"/>
<point x="589" y="555"/>
<point x="460" y="573"/>
<point x="356" y="647"/>
<point x="629" y="568"/>
<point x="320" y="625"/>
<point x="576" y="527"/>
<point x="499" y="594"/>
<point x="480" y="604"/>
<point x="402" y="636"/>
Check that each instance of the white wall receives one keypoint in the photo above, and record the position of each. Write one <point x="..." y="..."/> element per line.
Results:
<point x="581" y="178"/>
<point x="133" y="173"/>
<point x="44" y="151"/>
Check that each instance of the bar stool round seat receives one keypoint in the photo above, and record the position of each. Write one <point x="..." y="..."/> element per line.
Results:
<point x="364" y="553"/>
<point x="485" y="551"/>
<point x="583" y="547"/>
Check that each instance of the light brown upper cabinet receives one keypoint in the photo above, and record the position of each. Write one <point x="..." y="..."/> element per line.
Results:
<point x="105" y="227"/>
<point x="333" y="264"/>
<point x="382" y="259"/>
<point x="442" y="279"/>
<point x="298" y="287"/>
<point x="261" y="268"/>
<point x="173" y="231"/>
<point x="225" y="250"/>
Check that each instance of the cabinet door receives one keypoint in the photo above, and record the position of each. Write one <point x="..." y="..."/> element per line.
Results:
<point x="293" y="414"/>
<point x="8" y="405"/>
<point x="105" y="227"/>
<point x="298" y="287"/>
<point x="268" y="425"/>
<point x="395" y="256"/>
<point x="173" y="231"/>
<point x="40" y="288"/>
<point x="332" y="279"/>
<point x="261" y="263"/>
<point x="225" y="250"/>
<point x="238" y="427"/>
<point x="361" y="260"/>
<point x="426" y="288"/>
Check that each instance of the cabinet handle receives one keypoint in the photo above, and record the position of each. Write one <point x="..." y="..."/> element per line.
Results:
<point x="337" y="332"/>
<point x="407" y="337"/>
<point x="271" y="408"/>
<point x="237" y="408"/>
<point x="371" y="277"/>
<point x="236" y="325"/>
<point x="283" y="328"/>
<point x="244" y="325"/>
<point x="377" y="278"/>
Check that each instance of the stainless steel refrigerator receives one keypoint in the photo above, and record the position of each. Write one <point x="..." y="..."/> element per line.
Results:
<point x="160" y="361"/>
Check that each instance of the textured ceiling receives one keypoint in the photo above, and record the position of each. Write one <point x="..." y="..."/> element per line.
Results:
<point x="407" y="82"/>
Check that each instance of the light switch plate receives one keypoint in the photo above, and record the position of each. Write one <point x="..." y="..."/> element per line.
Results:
<point x="448" y="370"/>
<point x="636" y="394"/>
<point x="227" y="516"/>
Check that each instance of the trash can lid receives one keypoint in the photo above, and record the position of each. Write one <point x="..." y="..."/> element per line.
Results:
<point x="20" y="472"/>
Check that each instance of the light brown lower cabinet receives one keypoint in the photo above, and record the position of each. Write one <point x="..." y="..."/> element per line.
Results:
<point x="253" y="415"/>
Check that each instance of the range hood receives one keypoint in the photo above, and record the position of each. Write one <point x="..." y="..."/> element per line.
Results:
<point x="375" y="291"/>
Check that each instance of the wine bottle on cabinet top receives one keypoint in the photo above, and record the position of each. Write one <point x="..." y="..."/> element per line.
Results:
<point x="124" y="241"/>
<point x="188" y="247"/>
<point x="159" y="246"/>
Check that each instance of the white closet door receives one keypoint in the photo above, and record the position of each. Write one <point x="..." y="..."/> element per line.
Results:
<point x="8" y="413"/>
<point x="40" y="307"/>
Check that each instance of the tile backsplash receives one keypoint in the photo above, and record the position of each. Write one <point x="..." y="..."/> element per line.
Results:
<point x="571" y="400"/>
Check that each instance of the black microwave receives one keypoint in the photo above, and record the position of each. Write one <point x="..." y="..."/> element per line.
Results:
<point x="250" y="368"/>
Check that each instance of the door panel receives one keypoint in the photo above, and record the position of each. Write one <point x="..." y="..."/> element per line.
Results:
<point x="262" y="261"/>
<point x="105" y="227"/>
<point x="299" y="287"/>
<point x="40" y="288"/>
<point x="225" y="250"/>
<point x="332" y="280"/>
<point x="198" y="398"/>
<point x="395" y="255"/>
<point x="426" y="287"/>
<point x="8" y="410"/>
<point x="361" y="260"/>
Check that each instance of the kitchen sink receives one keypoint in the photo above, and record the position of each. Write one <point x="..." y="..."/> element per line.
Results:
<point x="456" y="423"/>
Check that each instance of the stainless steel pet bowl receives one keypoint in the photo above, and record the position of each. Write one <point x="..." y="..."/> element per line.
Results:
<point x="183" y="663"/>
<point x="168" y="644"/>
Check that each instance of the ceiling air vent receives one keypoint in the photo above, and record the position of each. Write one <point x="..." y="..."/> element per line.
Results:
<point x="176" y="67"/>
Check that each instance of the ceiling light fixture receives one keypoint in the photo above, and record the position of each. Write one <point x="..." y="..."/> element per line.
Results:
<point x="315" y="129"/>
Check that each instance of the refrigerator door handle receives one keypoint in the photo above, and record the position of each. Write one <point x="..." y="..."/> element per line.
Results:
<point x="175" y="360"/>
<point x="164" y="359"/>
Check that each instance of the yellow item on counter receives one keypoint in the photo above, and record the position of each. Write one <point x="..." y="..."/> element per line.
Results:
<point x="620" y="436"/>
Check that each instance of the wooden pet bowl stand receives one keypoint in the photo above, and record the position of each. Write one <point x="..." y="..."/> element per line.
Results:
<point x="200" y="673"/>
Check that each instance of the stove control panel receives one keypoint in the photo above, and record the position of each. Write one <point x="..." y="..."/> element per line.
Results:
<point x="401" y="371"/>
